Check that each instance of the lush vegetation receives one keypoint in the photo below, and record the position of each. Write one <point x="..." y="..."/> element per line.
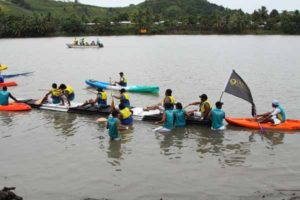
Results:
<point x="35" y="18"/>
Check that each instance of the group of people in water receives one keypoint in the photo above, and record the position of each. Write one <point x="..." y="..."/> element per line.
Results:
<point x="173" y="113"/>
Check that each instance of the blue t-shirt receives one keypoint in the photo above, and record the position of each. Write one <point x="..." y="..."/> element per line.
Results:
<point x="217" y="116"/>
<point x="4" y="96"/>
<point x="112" y="128"/>
<point x="179" y="118"/>
<point x="169" y="123"/>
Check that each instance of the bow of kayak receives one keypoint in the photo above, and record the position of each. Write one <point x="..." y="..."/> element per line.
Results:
<point x="8" y="84"/>
<point x="289" y="125"/>
<point x="15" y="107"/>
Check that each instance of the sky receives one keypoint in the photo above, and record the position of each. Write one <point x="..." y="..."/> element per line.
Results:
<point x="245" y="5"/>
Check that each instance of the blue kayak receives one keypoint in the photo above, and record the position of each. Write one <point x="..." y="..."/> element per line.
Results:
<point x="15" y="75"/>
<point x="134" y="88"/>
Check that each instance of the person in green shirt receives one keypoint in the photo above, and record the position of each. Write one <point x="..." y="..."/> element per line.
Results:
<point x="4" y="97"/>
<point x="217" y="115"/>
<point x="179" y="115"/>
<point x="167" y="119"/>
<point x="114" y="126"/>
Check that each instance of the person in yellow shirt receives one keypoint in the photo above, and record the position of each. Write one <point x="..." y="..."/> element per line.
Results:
<point x="204" y="108"/>
<point x="55" y="94"/>
<point x="168" y="99"/>
<point x="68" y="92"/>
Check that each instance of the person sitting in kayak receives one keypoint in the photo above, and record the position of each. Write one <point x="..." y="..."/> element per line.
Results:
<point x="180" y="116"/>
<point x="114" y="126"/>
<point x="4" y="97"/>
<point x="125" y="116"/>
<point x="68" y="92"/>
<point x="124" y="98"/>
<point x="204" y="108"/>
<point x="167" y="119"/>
<point x="55" y="95"/>
<point x="276" y="116"/>
<point x="123" y="80"/>
<point x="101" y="100"/>
<point x="217" y="116"/>
<point x="168" y="99"/>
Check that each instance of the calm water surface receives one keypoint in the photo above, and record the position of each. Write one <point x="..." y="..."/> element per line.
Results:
<point x="49" y="155"/>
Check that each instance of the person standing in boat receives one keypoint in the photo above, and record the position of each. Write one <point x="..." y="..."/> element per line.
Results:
<point x="124" y="98"/>
<point x="168" y="99"/>
<point x="4" y="97"/>
<point x="204" y="108"/>
<point x="68" y="92"/>
<point x="217" y="116"/>
<point x="276" y="116"/>
<point x="167" y="119"/>
<point x="123" y="80"/>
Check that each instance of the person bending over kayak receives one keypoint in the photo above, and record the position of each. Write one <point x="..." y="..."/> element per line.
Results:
<point x="180" y="116"/>
<point x="167" y="119"/>
<point x="114" y="126"/>
<point x="55" y="95"/>
<point x="276" y="116"/>
<point x="68" y="92"/>
<point x="101" y="99"/>
<point x="123" y="80"/>
<point x="4" y="97"/>
<point x="168" y="99"/>
<point x="125" y="116"/>
<point x="124" y="98"/>
<point x="204" y="107"/>
<point x="217" y="115"/>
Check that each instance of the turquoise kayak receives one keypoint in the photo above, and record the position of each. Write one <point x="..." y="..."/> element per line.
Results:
<point x="134" y="88"/>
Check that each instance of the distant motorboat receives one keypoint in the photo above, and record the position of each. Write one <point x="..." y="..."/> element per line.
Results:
<point x="69" y="45"/>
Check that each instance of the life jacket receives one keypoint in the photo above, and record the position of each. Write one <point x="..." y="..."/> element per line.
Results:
<point x="171" y="100"/>
<point x="102" y="98"/>
<point x="125" y="100"/>
<point x="70" y="90"/>
<point x="56" y="92"/>
<point x="281" y="116"/>
<point x="126" y="113"/>
<point x="123" y="79"/>
<point x="202" y="106"/>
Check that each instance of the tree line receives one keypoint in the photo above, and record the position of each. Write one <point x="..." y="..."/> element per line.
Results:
<point x="261" y="21"/>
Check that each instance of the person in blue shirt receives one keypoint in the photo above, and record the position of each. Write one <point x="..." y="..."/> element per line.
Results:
<point x="276" y="116"/>
<point x="114" y="126"/>
<point x="167" y="119"/>
<point x="4" y="97"/>
<point x="179" y="115"/>
<point x="217" y="116"/>
<point x="1" y="78"/>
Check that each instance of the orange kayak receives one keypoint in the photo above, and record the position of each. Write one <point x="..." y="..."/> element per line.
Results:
<point x="288" y="125"/>
<point x="8" y="84"/>
<point x="15" y="107"/>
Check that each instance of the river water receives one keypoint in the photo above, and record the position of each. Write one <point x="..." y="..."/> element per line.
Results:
<point x="49" y="155"/>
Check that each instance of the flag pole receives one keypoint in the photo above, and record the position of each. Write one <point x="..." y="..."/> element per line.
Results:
<point x="221" y="96"/>
<point x="225" y="85"/>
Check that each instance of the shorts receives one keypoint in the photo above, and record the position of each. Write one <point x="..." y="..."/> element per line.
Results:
<point x="71" y="97"/>
<point x="162" y="130"/>
<point x="128" y="121"/>
<point x="276" y="120"/>
<point x="55" y="100"/>
<point x="197" y="114"/>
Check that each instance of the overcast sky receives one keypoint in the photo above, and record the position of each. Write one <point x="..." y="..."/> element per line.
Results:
<point x="246" y="5"/>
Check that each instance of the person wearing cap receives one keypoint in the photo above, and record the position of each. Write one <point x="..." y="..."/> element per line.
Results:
<point x="101" y="99"/>
<point x="4" y="97"/>
<point x="276" y="116"/>
<point x="204" y="107"/>
<point x="124" y="98"/>
<point x="217" y="116"/>
<point x="168" y="99"/>
<point x="123" y="80"/>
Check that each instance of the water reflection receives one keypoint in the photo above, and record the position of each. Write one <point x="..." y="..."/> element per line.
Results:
<point x="64" y="122"/>
<point x="273" y="138"/>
